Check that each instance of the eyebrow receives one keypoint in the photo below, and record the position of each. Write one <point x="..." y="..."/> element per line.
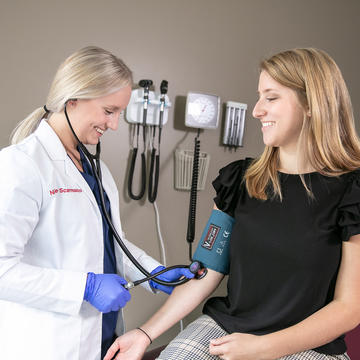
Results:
<point x="267" y="90"/>
<point x="112" y="107"/>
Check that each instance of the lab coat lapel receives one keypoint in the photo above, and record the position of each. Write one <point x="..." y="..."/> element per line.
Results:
<point x="74" y="173"/>
<point x="56" y="152"/>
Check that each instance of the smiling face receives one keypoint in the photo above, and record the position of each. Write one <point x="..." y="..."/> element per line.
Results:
<point x="280" y="112"/>
<point x="91" y="118"/>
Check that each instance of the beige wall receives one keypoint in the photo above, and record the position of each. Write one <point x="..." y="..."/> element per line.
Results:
<point x="209" y="46"/>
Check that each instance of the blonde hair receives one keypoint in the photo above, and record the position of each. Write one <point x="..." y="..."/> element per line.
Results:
<point x="88" y="73"/>
<point x="328" y="140"/>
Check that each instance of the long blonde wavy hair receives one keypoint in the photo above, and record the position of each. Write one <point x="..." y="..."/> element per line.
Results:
<point x="88" y="73"/>
<point x="328" y="140"/>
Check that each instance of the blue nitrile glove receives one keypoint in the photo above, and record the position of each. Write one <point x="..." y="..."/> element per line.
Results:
<point x="106" y="292"/>
<point x="171" y="275"/>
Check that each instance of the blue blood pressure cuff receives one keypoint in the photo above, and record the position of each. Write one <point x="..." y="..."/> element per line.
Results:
<point x="213" y="248"/>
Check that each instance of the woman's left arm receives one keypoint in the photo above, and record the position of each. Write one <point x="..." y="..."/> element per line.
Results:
<point x="338" y="317"/>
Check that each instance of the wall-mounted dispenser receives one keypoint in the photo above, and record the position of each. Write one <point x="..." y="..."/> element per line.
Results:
<point x="234" y="124"/>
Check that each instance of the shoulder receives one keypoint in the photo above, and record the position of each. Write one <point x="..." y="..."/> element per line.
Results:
<point x="17" y="165"/>
<point x="351" y="183"/>
<point x="234" y="171"/>
<point x="352" y="176"/>
<point x="351" y="190"/>
<point x="228" y="183"/>
<point x="15" y="155"/>
<point x="349" y="205"/>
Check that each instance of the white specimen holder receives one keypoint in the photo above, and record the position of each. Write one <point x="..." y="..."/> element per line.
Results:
<point x="134" y="111"/>
<point x="184" y="167"/>
<point x="234" y="123"/>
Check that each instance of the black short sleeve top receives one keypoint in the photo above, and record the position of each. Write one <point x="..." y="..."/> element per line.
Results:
<point x="284" y="255"/>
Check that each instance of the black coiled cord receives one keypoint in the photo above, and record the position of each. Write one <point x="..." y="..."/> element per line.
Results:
<point x="193" y="196"/>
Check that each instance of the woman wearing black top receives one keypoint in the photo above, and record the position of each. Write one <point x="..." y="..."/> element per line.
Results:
<point x="294" y="278"/>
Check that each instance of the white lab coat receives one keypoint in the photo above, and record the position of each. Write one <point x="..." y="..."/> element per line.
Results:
<point x="50" y="237"/>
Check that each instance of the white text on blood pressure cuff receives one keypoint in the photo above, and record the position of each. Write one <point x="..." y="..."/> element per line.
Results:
<point x="210" y="237"/>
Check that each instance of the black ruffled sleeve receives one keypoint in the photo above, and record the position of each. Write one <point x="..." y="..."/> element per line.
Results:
<point x="227" y="185"/>
<point x="349" y="208"/>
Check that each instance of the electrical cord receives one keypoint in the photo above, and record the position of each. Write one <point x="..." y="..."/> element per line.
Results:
<point x="161" y="240"/>
<point x="163" y="254"/>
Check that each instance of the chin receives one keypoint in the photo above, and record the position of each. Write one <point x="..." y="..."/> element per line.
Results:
<point x="93" y="142"/>
<point x="271" y="142"/>
<point x="268" y="142"/>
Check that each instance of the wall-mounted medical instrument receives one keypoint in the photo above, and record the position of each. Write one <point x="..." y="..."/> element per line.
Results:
<point x="145" y="103"/>
<point x="234" y="124"/>
<point x="147" y="111"/>
<point x="155" y="157"/>
<point x="202" y="112"/>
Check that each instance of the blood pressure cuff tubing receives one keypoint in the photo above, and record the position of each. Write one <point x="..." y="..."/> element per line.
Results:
<point x="213" y="248"/>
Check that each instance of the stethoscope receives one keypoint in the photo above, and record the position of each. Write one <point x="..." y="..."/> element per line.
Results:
<point x="195" y="267"/>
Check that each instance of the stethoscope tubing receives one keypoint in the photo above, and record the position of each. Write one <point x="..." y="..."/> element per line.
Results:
<point x="97" y="173"/>
<point x="148" y="276"/>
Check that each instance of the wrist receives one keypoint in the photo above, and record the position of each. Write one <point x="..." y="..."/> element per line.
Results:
<point x="152" y="283"/>
<point x="266" y="348"/>
<point x="145" y="334"/>
<point x="89" y="287"/>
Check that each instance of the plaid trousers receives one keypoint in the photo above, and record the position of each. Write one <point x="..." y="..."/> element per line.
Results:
<point x="193" y="344"/>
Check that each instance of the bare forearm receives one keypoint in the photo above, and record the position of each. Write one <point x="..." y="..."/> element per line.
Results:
<point x="181" y="302"/>
<point x="320" y="328"/>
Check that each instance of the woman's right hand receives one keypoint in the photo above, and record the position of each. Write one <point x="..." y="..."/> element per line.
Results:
<point x="106" y="292"/>
<point x="130" y="346"/>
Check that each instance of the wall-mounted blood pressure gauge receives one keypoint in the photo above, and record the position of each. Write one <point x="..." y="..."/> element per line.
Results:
<point x="202" y="110"/>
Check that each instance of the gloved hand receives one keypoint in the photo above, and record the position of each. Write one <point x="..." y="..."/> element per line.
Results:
<point x="171" y="275"/>
<point x="106" y="292"/>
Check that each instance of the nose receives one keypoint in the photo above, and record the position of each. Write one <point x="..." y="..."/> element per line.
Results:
<point x="258" y="111"/>
<point x="113" y="123"/>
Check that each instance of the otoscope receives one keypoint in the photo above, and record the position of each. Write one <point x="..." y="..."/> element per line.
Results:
<point x="146" y="85"/>
<point x="155" y="160"/>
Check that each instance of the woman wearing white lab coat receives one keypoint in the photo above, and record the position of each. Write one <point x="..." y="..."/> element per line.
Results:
<point x="51" y="230"/>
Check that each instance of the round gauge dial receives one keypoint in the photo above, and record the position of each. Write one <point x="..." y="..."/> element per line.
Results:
<point x="202" y="110"/>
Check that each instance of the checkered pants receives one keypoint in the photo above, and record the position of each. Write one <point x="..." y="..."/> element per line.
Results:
<point x="193" y="344"/>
